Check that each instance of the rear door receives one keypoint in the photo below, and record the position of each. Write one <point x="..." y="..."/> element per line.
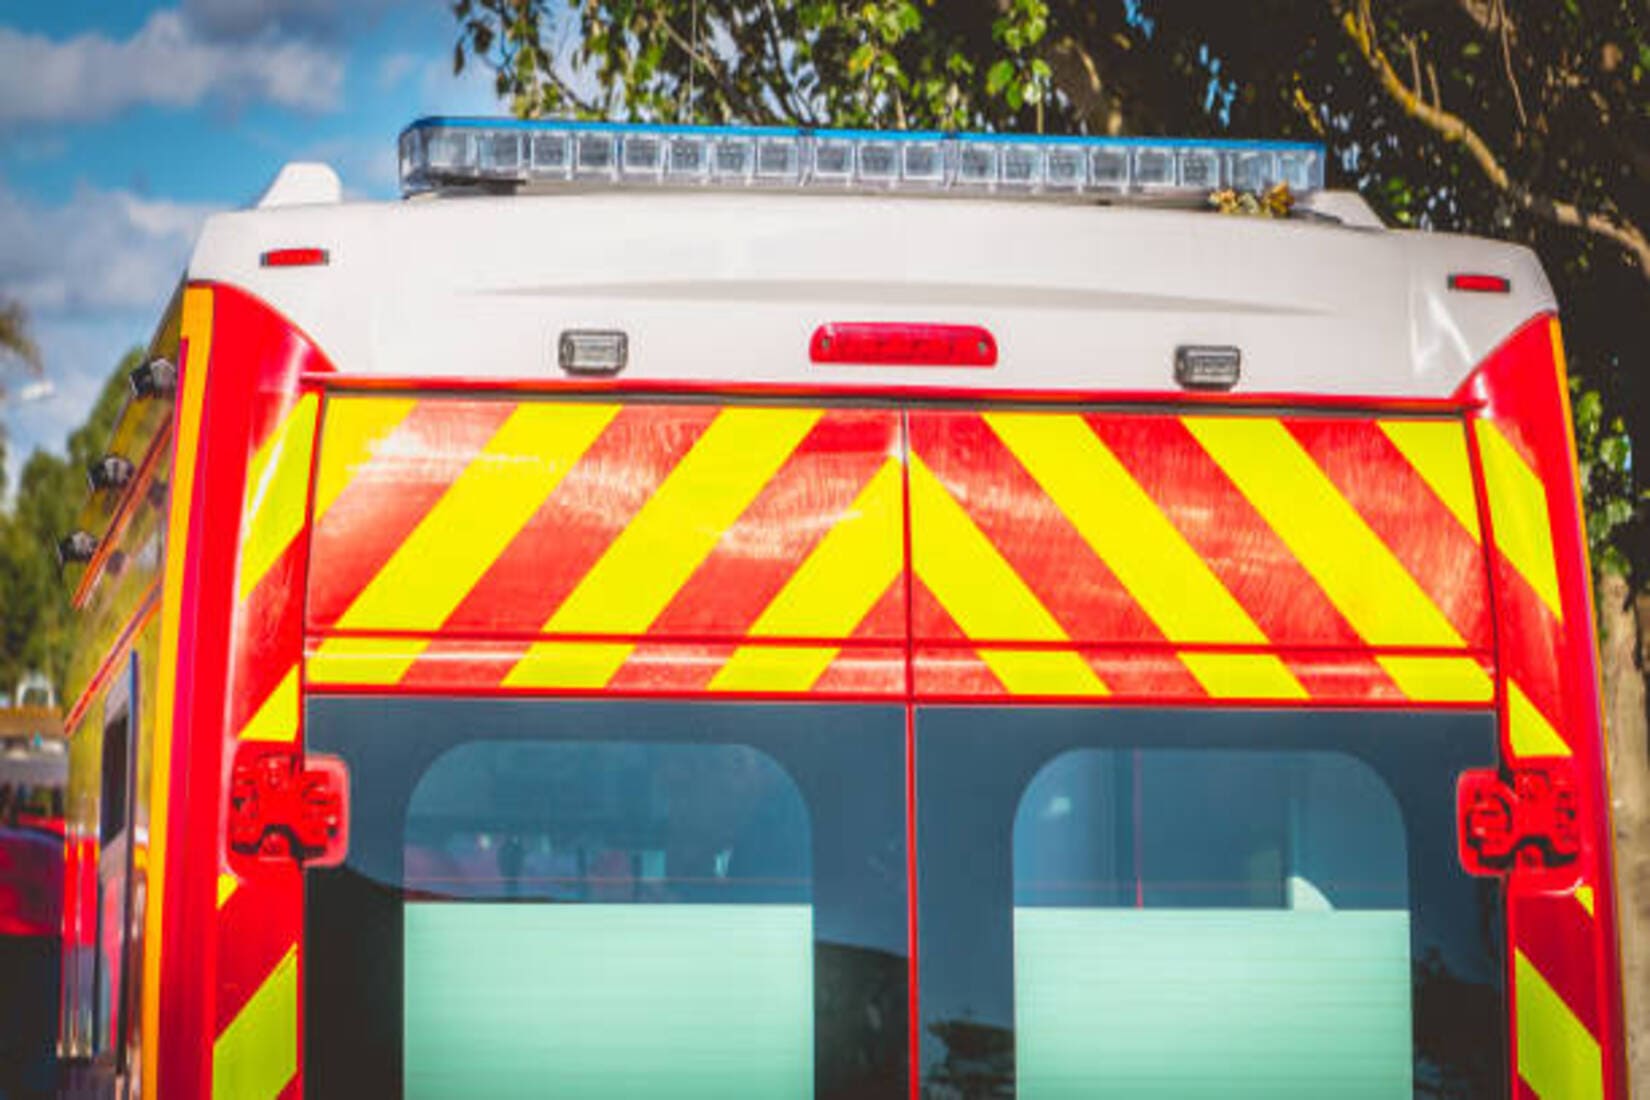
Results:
<point x="1236" y="875"/>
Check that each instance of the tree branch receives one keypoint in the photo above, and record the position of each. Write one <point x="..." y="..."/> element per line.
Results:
<point x="1452" y="128"/>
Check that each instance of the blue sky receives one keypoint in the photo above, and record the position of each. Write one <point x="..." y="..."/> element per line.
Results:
<point x="124" y="124"/>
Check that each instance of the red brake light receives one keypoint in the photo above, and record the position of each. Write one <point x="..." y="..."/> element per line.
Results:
<point x="294" y="257"/>
<point x="905" y="345"/>
<point x="1481" y="284"/>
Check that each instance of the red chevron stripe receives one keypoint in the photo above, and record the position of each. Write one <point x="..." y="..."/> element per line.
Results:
<point x="1406" y="514"/>
<point x="579" y="520"/>
<point x="390" y="494"/>
<point x="1344" y="677"/>
<point x="1557" y="935"/>
<point x="953" y="674"/>
<point x="257" y="926"/>
<point x="798" y="506"/>
<point x="463" y="663"/>
<point x="1031" y="533"/>
<point x="1533" y="645"/>
<point x="1147" y="674"/>
<point x="1225" y="530"/>
<point x="864" y="671"/>
<point x="661" y="667"/>
<point x="268" y="634"/>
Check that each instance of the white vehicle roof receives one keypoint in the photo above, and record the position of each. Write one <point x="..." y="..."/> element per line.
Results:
<point x="716" y="287"/>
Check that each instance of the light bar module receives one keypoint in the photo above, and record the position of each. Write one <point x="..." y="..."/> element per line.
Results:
<point x="439" y="153"/>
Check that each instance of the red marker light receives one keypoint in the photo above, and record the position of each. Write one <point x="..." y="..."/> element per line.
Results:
<point x="903" y="345"/>
<point x="1481" y="284"/>
<point x="294" y="257"/>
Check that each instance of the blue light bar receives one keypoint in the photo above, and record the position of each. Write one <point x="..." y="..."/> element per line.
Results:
<point x="446" y="153"/>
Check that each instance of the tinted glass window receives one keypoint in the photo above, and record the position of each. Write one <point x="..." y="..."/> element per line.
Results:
<point x="610" y="899"/>
<point x="1190" y="904"/>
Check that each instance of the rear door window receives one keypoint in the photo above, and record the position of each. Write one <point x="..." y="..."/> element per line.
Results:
<point x="610" y="899"/>
<point x="1202" y="904"/>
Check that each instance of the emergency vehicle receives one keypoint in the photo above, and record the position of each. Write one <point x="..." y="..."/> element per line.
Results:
<point x="756" y="612"/>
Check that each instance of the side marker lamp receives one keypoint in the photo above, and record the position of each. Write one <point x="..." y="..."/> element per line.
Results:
<point x="1207" y="368"/>
<point x="109" y="472"/>
<point x="295" y="257"/>
<point x="903" y="345"/>
<point x="156" y="378"/>
<point x="77" y="548"/>
<point x="1478" y="283"/>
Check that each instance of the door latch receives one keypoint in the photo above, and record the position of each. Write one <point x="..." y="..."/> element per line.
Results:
<point x="285" y="804"/>
<point x="1524" y="820"/>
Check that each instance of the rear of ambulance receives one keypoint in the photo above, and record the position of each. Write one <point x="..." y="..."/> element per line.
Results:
<point x="759" y="613"/>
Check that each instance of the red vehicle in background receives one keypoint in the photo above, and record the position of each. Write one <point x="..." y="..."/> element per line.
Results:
<point x="33" y="770"/>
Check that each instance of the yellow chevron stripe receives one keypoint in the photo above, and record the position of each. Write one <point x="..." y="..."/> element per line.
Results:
<point x="277" y="718"/>
<point x="830" y="593"/>
<point x="362" y="661"/>
<point x="1440" y="679"/>
<point x="774" y="668"/>
<point x="1518" y="509"/>
<point x="1557" y="1055"/>
<point x="1171" y="583"/>
<point x="986" y="597"/>
<point x="568" y="664"/>
<point x="1437" y="449"/>
<point x="1243" y="675"/>
<point x="352" y="431"/>
<point x="1361" y="577"/>
<point x="643" y="569"/>
<point x="1584" y="895"/>
<point x="196" y="335"/>
<point x="277" y="483"/>
<point x="257" y="1054"/>
<point x="484" y="508"/>
<point x="227" y="885"/>
<point x="1528" y="730"/>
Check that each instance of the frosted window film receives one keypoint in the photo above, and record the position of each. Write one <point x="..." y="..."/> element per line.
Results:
<point x="1235" y="1003"/>
<point x="536" y="1000"/>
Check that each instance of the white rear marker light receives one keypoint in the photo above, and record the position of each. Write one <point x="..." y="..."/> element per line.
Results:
<point x="592" y="351"/>
<point x="441" y="153"/>
<point x="1207" y="368"/>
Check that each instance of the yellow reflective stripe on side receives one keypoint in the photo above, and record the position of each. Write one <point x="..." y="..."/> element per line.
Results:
<point x="1518" y="510"/>
<point x="1439" y="679"/>
<point x="568" y="664"/>
<point x="227" y="885"/>
<point x="1355" y="569"/>
<point x="1243" y="675"/>
<point x="257" y="1054"/>
<point x="833" y="589"/>
<point x="773" y="668"/>
<point x="1437" y="450"/>
<point x="1557" y="1055"/>
<point x="986" y="597"/>
<point x="277" y="484"/>
<point x="1528" y="729"/>
<point x="1584" y="895"/>
<point x="1043" y="672"/>
<point x="673" y="533"/>
<point x="362" y="661"/>
<point x="354" y="428"/>
<point x="1126" y="530"/>
<point x="196" y="334"/>
<point x="277" y="717"/>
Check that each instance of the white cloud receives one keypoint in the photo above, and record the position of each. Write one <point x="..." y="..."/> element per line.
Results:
<point x="97" y="250"/>
<point x="242" y="19"/>
<point x="168" y="62"/>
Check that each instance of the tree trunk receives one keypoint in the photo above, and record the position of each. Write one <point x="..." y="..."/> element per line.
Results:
<point x="1623" y="650"/>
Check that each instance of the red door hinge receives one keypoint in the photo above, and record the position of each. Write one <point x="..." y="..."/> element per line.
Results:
<point x="284" y="804"/>
<point x="1525" y="821"/>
